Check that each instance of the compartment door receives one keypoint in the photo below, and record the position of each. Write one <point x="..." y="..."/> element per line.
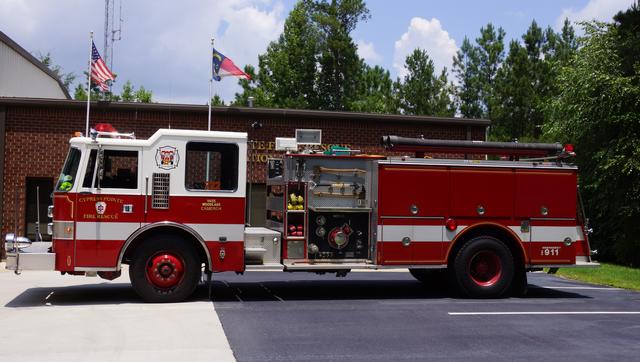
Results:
<point x="395" y="241"/>
<point x="547" y="241"/>
<point x="413" y="202"/>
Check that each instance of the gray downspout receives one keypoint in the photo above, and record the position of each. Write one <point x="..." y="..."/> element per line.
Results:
<point x="3" y="118"/>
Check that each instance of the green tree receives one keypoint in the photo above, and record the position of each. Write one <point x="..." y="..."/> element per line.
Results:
<point x="560" y="47"/>
<point x="421" y="92"/>
<point x="340" y="69"/>
<point x="375" y="93"/>
<point x="526" y="82"/>
<point x="314" y="63"/>
<point x="597" y="108"/>
<point x="490" y="58"/>
<point x="468" y="93"/>
<point x="66" y="78"/>
<point x="128" y="92"/>
<point x="252" y="88"/>
<point x="80" y="93"/>
<point x="143" y="95"/>
<point x="216" y="100"/>
<point x="476" y="67"/>
<point x="628" y="45"/>
<point x="514" y="97"/>
<point x="287" y="71"/>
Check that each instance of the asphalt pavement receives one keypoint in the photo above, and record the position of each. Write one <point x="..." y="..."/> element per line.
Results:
<point x="372" y="316"/>
<point x="275" y="316"/>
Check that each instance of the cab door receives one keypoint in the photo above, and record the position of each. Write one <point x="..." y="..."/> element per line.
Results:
<point x="109" y="206"/>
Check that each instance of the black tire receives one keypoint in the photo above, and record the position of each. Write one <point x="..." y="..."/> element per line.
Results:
<point x="175" y="275"/>
<point x="520" y="285"/>
<point x="484" y="268"/>
<point x="430" y="277"/>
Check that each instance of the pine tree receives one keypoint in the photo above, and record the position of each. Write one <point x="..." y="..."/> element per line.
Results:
<point x="421" y="92"/>
<point x="314" y="63"/>
<point x="468" y="93"/>
<point x="375" y="93"/>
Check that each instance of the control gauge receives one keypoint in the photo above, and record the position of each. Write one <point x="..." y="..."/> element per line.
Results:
<point x="321" y="220"/>
<point x="321" y="232"/>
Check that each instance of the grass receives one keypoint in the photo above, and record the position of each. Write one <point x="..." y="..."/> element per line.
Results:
<point x="607" y="274"/>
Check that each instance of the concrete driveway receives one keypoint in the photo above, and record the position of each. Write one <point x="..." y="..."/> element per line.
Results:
<point x="48" y="317"/>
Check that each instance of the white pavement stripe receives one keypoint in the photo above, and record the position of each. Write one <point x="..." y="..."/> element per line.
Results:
<point x="546" y="313"/>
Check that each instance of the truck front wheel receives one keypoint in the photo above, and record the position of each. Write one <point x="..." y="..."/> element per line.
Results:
<point x="484" y="268"/>
<point x="164" y="269"/>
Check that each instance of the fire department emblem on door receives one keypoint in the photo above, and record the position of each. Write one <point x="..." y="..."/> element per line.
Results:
<point x="167" y="157"/>
<point x="101" y="207"/>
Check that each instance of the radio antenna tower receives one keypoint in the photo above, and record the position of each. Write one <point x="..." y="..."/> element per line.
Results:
<point x="111" y="33"/>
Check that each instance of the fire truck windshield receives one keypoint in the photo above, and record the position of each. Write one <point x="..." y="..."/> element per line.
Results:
<point x="68" y="174"/>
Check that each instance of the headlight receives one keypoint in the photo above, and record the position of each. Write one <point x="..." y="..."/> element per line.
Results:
<point x="16" y="242"/>
<point x="50" y="211"/>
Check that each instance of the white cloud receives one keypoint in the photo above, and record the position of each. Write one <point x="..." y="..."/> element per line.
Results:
<point x="368" y="52"/>
<point x="18" y="14"/>
<point x="602" y="10"/>
<point x="165" y="46"/>
<point x="427" y="35"/>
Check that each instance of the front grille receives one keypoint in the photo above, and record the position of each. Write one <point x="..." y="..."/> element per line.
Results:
<point x="160" y="191"/>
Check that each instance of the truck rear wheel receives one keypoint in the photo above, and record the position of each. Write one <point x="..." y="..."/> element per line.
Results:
<point x="164" y="269"/>
<point x="484" y="268"/>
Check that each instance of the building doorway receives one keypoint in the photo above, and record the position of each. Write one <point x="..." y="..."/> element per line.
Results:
<point x="45" y="187"/>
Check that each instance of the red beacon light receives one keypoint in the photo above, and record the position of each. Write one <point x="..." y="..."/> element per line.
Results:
<point x="105" y="127"/>
<point x="108" y="131"/>
<point x="568" y="151"/>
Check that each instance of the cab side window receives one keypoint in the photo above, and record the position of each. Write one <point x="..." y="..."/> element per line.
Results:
<point x="120" y="170"/>
<point x="211" y="166"/>
<point x="91" y="165"/>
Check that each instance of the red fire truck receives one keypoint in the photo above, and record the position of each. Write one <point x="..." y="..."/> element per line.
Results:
<point x="173" y="206"/>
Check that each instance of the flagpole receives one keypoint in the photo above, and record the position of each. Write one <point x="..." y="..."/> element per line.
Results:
<point x="210" y="86"/>
<point x="209" y="116"/>
<point x="86" y="129"/>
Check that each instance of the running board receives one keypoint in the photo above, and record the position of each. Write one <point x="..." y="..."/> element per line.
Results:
<point x="269" y="267"/>
<point x="578" y="264"/>
<point x="352" y="266"/>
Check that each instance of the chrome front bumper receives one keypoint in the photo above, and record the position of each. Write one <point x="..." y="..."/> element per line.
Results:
<point x="30" y="261"/>
<point x="37" y="258"/>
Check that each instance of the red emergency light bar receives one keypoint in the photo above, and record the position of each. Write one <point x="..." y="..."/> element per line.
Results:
<point x="421" y="145"/>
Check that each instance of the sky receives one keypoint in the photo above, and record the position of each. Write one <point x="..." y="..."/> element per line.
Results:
<point x="165" y="45"/>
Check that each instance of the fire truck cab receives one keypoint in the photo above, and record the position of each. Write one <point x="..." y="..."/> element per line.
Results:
<point x="173" y="206"/>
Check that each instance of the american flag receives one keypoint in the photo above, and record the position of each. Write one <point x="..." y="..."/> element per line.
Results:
<point x="100" y="74"/>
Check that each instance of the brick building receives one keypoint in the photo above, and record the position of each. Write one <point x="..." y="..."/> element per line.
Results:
<point x="34" y="134"/>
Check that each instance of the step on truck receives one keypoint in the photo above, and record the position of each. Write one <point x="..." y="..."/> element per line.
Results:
<point x="173" y="206"/>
